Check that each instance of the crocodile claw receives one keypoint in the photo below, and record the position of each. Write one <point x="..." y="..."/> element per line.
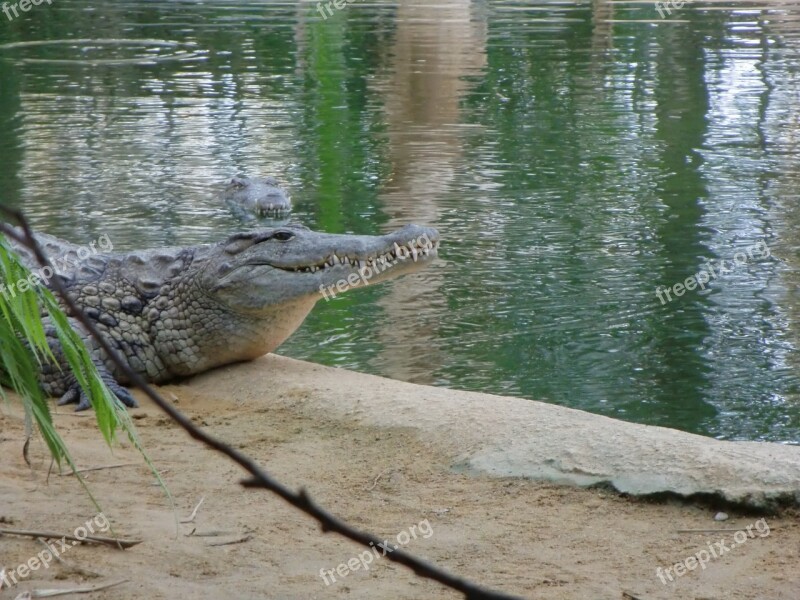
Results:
<point x="122" y="394"/>
<point x="71" y="396"/>
<point x="76" y="394"/>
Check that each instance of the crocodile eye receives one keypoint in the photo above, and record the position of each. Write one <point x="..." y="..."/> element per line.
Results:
<point x="282" y="236"/>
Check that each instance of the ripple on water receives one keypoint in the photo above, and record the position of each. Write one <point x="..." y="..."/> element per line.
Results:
<point x="94" y="52"/>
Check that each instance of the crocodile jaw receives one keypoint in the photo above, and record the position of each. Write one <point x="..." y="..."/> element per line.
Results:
<point x="269" y="274"/>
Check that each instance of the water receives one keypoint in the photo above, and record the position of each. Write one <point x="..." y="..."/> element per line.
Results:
<point x="574" y="155"/>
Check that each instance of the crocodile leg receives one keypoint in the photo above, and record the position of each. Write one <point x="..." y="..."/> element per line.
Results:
<point x="75" y="393"/>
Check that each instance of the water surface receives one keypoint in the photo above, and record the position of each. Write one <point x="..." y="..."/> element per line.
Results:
<point x="574" y="155"/>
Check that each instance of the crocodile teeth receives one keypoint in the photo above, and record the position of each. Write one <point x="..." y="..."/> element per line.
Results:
<point x="414" y="249"/>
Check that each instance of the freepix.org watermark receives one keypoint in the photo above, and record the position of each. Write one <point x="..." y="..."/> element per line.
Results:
<point x="54" y="549"/>
<point x="723" y="267"/>
<point x="60" y="264"/>
<point x="367" y="556"/>
<point x="330" y="5"/>
<point x="10" y="8"/>
<point x="412" y="249"/>
<point x="715" y="550"/>
<point x="669" y="5"/>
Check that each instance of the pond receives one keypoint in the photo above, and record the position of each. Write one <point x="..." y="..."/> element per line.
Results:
<point x="580" y="159"/>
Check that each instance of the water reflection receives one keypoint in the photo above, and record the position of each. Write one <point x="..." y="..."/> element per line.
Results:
<point x="436" y="47"/>
<point x="575" y="156"/>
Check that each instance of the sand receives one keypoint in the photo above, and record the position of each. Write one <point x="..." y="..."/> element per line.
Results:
<point x="369" y="450"/>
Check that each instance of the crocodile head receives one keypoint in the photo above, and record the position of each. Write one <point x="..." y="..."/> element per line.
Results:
<point x="267" y="281"/>
<point x="262" y="196"/>
<point x="254" y="273"/>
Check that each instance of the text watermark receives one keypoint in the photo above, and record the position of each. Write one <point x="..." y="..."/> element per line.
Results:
<point x="412" y="249"/>
<point x="702" y="277"/>
<point x="669" y="5"/>
<point x="366" y="557"/>
<point x="60" y="264"/>
<point x="330" y="5"/>
<point x="702" y="557"/>
<point x="23" y="5"/>
<point x="45" y="557"/>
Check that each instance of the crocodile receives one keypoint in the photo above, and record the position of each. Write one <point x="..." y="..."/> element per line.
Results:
<point x="175" y="312"/>
<point x="260" y="196"/>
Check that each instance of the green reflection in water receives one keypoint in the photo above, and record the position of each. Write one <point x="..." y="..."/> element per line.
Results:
<point x="572" y="163"/>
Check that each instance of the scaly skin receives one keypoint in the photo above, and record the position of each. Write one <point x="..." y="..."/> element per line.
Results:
<point x="175" y="312"/>
<point x="260" y="196"/>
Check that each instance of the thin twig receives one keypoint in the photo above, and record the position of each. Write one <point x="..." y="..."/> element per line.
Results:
<point x="190" y="518"/>
<point x="65" y="592"/>
<point x="90" y="539"/>
<point x="258" y="477"/>
<point x="374" y="483"/>
<point x="98" y="469"/>
<point x="26" y="451"/>
<point x="211" y="533"/>
<point x="711" y="530"/>
<point x="244" y="538"/>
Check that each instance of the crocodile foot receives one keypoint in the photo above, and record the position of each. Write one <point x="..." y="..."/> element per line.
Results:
<point x="76" y="394"/>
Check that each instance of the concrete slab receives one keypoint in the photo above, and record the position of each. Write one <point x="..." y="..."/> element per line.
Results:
<point x="513" y="437"/>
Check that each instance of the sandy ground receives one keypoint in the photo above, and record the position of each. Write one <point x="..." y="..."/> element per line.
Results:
<point x="533" y="539"/>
